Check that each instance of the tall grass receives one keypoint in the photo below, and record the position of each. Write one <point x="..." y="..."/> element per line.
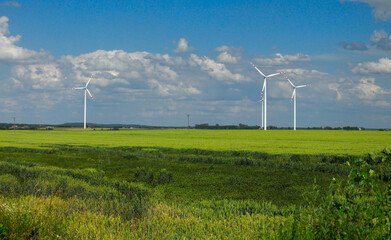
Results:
<point x="42" y="201"/>
<point x="74" y="195"/>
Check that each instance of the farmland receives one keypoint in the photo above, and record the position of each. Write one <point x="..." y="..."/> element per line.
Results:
<point x="192" y="184"/>
<point x="271" y="142"/>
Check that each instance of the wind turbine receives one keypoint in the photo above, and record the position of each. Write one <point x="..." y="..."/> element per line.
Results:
<point x="262" y="102"/>
<point x="265" y="77"/>
<point x="294" y="100"/>
<point x="85" y="99"/>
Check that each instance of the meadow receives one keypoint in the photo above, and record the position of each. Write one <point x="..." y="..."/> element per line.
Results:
<point x="272" y="142"/>
<point x="208" y="184"/>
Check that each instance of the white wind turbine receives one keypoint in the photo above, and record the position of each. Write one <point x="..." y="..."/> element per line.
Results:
<point x="85" y="99"/>
<point x="262" y="102"/>
<point x="294" y="100"/>
<point x="264" y="105"/>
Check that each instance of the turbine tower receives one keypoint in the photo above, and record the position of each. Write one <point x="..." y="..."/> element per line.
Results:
<point x="294" y="100"/>
<point x="262" y="102"/>
<point x="85" y="99"/>
<point x="264" y="106"/>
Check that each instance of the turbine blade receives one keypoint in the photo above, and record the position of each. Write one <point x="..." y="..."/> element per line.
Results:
<point x="78" y="88"/>
<point x="293" y="94"/>
<point x="89" y="93"/>
<point x="301" y="86"/>
<point x="274" y="74"/>
<point x="263" y="88"/>
<point x="88" y="81"/>
<point x="258" y="69"/>
<point x="289" y="81"/>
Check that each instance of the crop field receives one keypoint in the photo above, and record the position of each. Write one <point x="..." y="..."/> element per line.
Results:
<point x="196" y="184"/>
<point x="271" y="142"/>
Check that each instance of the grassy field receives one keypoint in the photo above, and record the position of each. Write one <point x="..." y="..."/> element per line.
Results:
<point x="271" y="142"/>
<point x="205" y="184"/>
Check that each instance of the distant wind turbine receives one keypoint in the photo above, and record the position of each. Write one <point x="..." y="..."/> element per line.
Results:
<point x="85" y="99"/>
<point x="294" y="100"/>
<point x="262" y="102"/>
<point x="264" y="105"/>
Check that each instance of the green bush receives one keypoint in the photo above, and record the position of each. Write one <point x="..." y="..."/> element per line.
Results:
<point x="358" y="208"/>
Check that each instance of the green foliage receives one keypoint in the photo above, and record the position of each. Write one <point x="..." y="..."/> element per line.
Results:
<point x="196" y="174"/>
<point x="155" y="184"/>
<point x="100" y="193"/>
<point x="164" y="176"/>
<point x="358" y="208"/>
<point x="147" y="176"/>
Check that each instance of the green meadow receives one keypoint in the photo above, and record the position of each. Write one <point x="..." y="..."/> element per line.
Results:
<point x="271" y="142"/>
<point x="195" y="184"/>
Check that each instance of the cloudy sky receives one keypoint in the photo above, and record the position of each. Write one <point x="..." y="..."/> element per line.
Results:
<point x="155" y="61"/>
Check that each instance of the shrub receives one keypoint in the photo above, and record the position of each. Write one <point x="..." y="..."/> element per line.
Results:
<point x="359" y="208"/>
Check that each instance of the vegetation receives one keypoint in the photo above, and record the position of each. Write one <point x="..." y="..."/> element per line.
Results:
<point x="97" y="189"/>
<point x="309" y="142"/>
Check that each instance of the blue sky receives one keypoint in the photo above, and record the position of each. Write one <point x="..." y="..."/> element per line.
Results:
<point x="155" y="62"/>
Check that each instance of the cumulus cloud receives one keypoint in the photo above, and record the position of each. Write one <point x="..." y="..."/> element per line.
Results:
<point x="382" y="66"/>
<point x="37" y="76"/>
<point x="382" y="8"/>
<point x="165" y="89"/>
<point x="303" y="73"/>
<point x="381" y="40"/>
<point x="141" y="71"/>
<point x="215" y="69"/>
<point x="367" y="89"/>
<point x="115" y="66"/>
<point x="279" y="59"/>
<point x="363" y="89"/>
<point x="10" y="52"/>
<point x="354" y="45"/>
<point x="229" y="54"/>
<point x="183" y="46"/>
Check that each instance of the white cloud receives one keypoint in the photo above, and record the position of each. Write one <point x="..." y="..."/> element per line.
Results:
<point x="37" y="76"/>
<point x="183" y="46"/>
<point x="10" y="52"/>
<point x="215" y="69"/>
<point x="382" y="66"/>
<point x="363" y="89"/>
<point x="165" y="89"/>
<point x="138" y="70"/>
<point x="229" y="54"/>
<point x="377" y="35"/>
<point x="118" y="66"/>
<point x="303" y="73"/>
<point x="382" y="8"/>
<point x="381" y="40"/>
<point x="367" y="89"/>
<point x="279" y="59"/>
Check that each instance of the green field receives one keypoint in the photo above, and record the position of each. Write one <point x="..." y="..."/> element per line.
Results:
<point x="272" y="142"/>
<point x="203" y="184"/>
